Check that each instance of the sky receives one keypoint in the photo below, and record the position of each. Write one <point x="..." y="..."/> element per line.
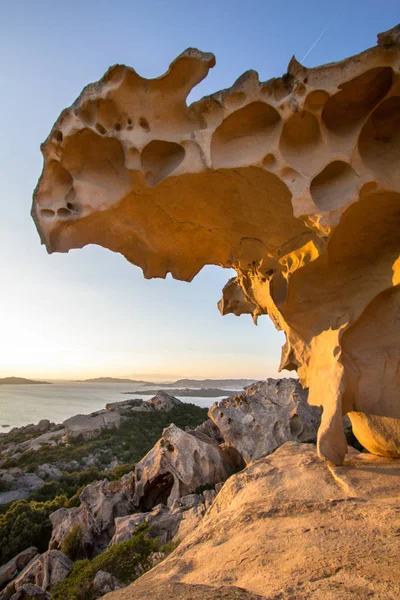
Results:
<point x="90" y="313"/>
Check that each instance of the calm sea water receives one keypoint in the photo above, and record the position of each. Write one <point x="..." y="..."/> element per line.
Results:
<point x="23" y="404"/>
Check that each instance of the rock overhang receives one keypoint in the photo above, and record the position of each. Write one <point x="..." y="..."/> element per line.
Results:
<point x="292" y="182"/>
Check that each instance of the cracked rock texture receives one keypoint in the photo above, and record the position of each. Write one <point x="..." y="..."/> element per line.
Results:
<point x="265" y="416"/>
<point x="293" y="182"/>
<point x="290" y="527"/>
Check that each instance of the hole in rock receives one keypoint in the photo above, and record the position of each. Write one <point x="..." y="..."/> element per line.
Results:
<point x="357" y="98"/>
<point x="379" y="142"/>
<point x="160" y="158"/>
<point x="100" y="128"/>
<point x="242" y="137"/>
<point x="58" y="136"/>
<point x="316" y="99"/>
<point x="156" y="492"/>
<point x="63" y="213"/>
<point x="144" y="124"/>
<point x="117" y="127"/>
<point x="295" y="425"/>
<point x="269" y="161"/>
<point x="300" y="138"/>
<point x="47" y="213"/>
<point x="334" y="186"/>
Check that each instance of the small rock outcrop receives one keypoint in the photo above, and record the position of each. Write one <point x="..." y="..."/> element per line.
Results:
<point x="179" y="463"/>
<point x="265" y="416"/>
<point x="290" y="526"/>
<point x="164" y="402"/>
<point x="90" y="426"/>
<point x="293" y="182"/>
<point x="45" y="571"/>
<point x="11" y="569"/>
<point x="18" y="484"/>
<point x="105" y="582"/>
<point x="101" y="503"/>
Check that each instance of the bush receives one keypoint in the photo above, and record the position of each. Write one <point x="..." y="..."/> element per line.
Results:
<point x="126" y="561"/>
<point x="72" y="545"/>
<point x="27" y="524"/>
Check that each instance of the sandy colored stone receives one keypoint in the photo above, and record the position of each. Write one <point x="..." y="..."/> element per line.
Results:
<point x="292" y="527"/>
<point x="293" y="182"/>
<point x="179" y="463"/>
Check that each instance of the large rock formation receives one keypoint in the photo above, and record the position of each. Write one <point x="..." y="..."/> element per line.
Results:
<point x="178" y="464"/>
<point x="265" y="416"/>
<point x="290" y="527"/>
<point x="293" y="182"/>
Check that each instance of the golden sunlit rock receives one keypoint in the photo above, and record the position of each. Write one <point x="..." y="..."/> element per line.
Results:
<point x="293" y="182"/>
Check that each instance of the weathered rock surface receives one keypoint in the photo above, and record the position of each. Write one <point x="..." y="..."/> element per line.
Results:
<point x="167" y="523"/>
<point x="90" y="426"/>
<point x="16" y="564"/>
<point x="293" y="182"/>
<point x="265" y="416"/>
<point x="101" y="503"/>
<point x="180" y="462"/>
<point x="164" y="402"/>
<point x="126" y="407"/>
<point x="291" y="526"/>
<point x="45" y="571"/>
<point x="105" y="582"/>
<point x="29" y="591"/>
<point x="49" y="472"/>
<point x="19" y="484"/>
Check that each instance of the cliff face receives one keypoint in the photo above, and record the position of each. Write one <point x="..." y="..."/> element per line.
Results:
<point x="293" y="182"/>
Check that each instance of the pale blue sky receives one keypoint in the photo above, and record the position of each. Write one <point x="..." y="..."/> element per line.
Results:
<point x="90" y="312"/>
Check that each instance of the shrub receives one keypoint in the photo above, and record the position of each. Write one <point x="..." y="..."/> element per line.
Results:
<point x="26" y="524"/>
<point x="72" y="545"/>
<point x="126" y="561"/>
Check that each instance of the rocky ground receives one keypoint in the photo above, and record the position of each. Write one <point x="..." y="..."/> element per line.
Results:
<point x="241" y="500"/>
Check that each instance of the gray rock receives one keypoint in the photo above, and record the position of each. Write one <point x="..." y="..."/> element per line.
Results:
<point x="90" y="426"/>
<point x="16" y="564"/>
<point x="265" y="416"/>
<point x="105" y="582"/>
<point x="28" y="591"/>
<point x="126" y="407"/>
<point x="49" y="472"/>
<point x="164" y="402"/>
<point x="19" y="485"/>
<point x="45" y="571"/>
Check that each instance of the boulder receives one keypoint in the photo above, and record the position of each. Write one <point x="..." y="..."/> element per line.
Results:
<point x="105" y="582"/>
<point x="291" y="526"/>
<point x="19" y="485"/>
<point x="126" y="407"/>
<point x="30" y="591"/>
<point x="166" y="523"/>
<point x="163" y="401"/>
<point x="49" y="472"/>
<point x="180" y="462"/>
<point x="90" y="426"/>
<point x="45" y="571"/>
<point x="265" y="416"/>
<point x="101" y="503"/>
<point x="292" y="182"/>
<point x="16" y="564"/>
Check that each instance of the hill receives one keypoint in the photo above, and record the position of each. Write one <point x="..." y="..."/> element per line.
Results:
<point x="210" y="383"/>
<point x="19" y="381"/>
<point x="114" y="380"/>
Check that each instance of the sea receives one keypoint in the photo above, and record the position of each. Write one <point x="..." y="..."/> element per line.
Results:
<point x="29" y="403"/>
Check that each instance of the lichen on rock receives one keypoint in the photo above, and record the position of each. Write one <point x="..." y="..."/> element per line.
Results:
<point x="293" y="182"/>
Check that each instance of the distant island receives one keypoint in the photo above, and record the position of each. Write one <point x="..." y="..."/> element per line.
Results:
<point x="188" y="393"/>
<point x="115" y="380"/>
<point x="20" y="381"/>
<point x="179" y="384"/>
<point x="209" y="383"/>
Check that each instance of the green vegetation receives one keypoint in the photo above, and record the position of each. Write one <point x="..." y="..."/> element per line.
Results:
<point x="136" y="436"/>
<point x="72" y="545"/>
<point x="125" y="561"/>
<point x="27" y="524"/>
